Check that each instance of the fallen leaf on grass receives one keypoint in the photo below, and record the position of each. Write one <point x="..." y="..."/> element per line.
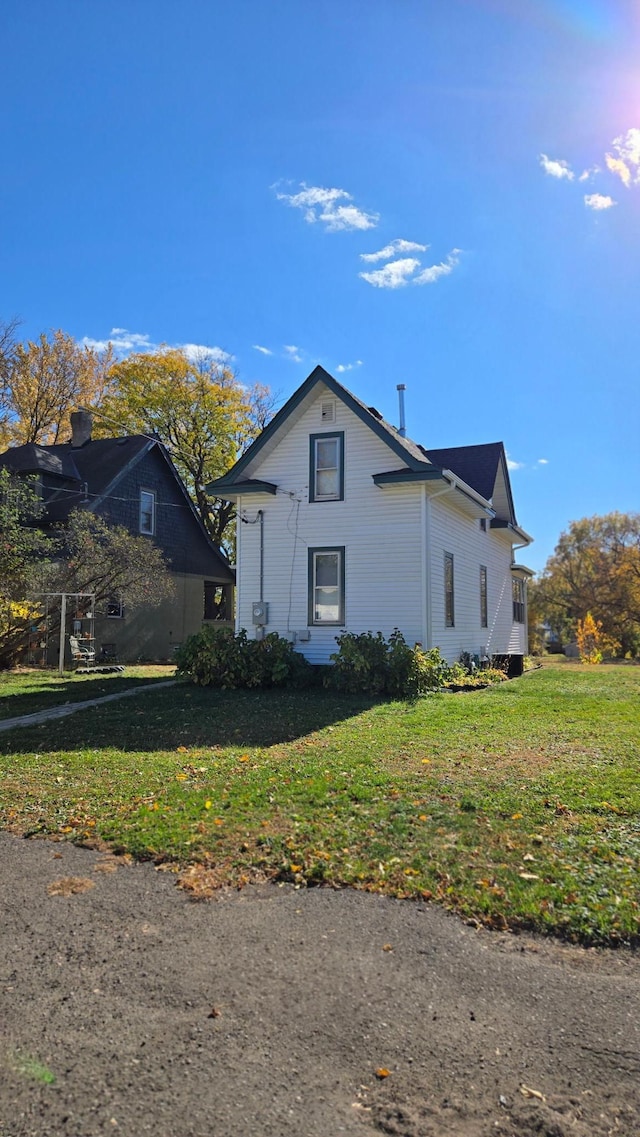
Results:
<point x="70" y="886"/>
<point x="528" y="876"/>
<point x="527" y="1092"/>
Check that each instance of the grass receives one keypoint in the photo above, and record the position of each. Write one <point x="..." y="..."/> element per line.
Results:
<point x="518" y="806"/>
<point x="23" y="692"/>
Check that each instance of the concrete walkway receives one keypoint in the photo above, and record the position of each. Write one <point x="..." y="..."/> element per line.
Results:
<point x="37" y="717"/>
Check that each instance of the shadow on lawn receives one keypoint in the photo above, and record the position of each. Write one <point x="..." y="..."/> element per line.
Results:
<point x="191" y="717"/>
<point x="67" y="689"/>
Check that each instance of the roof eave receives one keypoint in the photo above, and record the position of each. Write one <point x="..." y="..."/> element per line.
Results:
<point x="230" y="491"/>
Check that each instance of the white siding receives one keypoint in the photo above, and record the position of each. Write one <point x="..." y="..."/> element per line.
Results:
<point x="379" y="529"/>
<point x="454" y="532"/>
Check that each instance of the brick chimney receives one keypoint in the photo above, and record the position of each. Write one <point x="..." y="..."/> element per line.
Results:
<point x="81" y="426"/>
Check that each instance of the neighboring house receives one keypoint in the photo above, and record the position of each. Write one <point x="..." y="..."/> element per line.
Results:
<point x="132" y="482"/>
<point x="350" y="526"/>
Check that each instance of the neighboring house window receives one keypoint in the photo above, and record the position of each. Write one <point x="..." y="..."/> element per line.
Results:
<point x="449" y="612"/>
<point x="484" y="611"/>
<point x="518" y="601"/>
<point x="326" y="586"/>
<point x="115" y="608"/>
<point x="147" y="512"/>
<point x="215" y="601"/>
<point x="326" y="467"/>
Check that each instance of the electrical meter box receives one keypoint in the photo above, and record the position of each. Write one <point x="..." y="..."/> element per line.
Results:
<point x="260" y="612"/>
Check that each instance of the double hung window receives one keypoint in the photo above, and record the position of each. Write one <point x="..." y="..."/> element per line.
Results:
<point x="326" y="586"/>
<point x="147" y="512"/>
<point x="518" y="601"/>
<point x="484" y="612"/>
<point x="449" y="609"/>
<point x="326" y="467"/>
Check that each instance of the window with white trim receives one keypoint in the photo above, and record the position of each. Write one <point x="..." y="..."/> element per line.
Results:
<point x="326" y="585"/>
<point x="326" y="467"/>
<point x="147" y="512"/>
<point x="449" y="609"/>
<point x="484" y="608"/>
<point x="518" y="600"/>
<point x="115" y="608"/>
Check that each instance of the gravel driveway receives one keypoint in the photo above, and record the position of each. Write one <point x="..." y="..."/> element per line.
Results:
<point x="269" y="1011"/>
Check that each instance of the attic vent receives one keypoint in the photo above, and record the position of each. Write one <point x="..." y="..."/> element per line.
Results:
<point x="374" y="412"/>
<point x="328" y="412"/>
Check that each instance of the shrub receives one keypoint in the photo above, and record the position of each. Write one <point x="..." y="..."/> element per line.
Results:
<point x="369" y="664"/>
<point x="215" y="657"/>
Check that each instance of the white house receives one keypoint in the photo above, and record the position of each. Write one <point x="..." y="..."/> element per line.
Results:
<point x="347" y="525"/>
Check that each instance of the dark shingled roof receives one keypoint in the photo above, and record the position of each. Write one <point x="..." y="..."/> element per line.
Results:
<point x="475" y="465"/>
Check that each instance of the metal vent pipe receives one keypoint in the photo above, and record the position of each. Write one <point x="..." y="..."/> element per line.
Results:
<point x="402" y="430"/>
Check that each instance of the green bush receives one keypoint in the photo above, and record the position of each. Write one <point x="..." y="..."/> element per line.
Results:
<point x="215" y="657"/>
<point x="369" y="664"/>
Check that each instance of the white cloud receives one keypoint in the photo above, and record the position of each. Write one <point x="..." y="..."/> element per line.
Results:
<point x="123" y="342"/>
<point x="392" y="250"/>
<point x="408" y="270"/>
<point x="293" y="353"/>
<point x="620" y="168"/>
<point x="556" y="167"/>
<point x="394" y="275"/>
<point x="430" y="275"/>
<point x="319" y="203"/>
<point x="348" y="366"/>
<point x="598" y="201"/>
<point x="513" y="465"/>
<point x="628" y="147"/>
<point x="543" y="461"/>
<point x="197" y="351"/>
<point x="263" y="350"/>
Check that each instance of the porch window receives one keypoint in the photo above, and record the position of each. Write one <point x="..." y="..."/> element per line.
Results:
<point x="484" y="614"/>
<point x="449" y="610"/>
<point x="326" y="586"/>
<point x="115" y="608"/>
<point x="215" y="601"/>
<point x="518" y="601"/>
<point x="326" y="467"/>
<point x="147" y="512"/>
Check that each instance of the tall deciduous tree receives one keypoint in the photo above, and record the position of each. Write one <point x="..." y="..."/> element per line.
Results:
<point x="595" y="568"/>
<point x="198" y="409"/>
<point x="42" y="381"/>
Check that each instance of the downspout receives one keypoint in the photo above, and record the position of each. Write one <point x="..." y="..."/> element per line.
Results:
<point x="261" y="516"/>
<point x="426" y="555"/>
<point x="238" y="561"/>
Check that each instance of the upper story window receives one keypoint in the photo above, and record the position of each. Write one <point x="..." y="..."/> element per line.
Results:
<point x="147" y="512"/>
<point x="449" y="609"/>
<point x="326" y="467"/>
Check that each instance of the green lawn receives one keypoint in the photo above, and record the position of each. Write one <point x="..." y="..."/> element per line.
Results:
<point x="518" y="806"/>
<point x="23" y="692"/>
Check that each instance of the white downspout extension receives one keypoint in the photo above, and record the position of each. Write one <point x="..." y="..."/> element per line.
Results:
<point x="427" y="585"/>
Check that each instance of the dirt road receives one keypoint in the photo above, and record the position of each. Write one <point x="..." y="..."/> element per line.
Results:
<point x="127" y="1009"/>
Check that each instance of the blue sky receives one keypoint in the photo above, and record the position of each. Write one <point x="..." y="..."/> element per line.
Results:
<point x="444" y="194"/>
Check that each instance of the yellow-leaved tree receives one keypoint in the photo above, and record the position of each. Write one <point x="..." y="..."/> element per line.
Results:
<point x="197" y="409"/>
<point x="42" y="381"/>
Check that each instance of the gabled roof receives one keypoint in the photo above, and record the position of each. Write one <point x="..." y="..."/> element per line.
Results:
<point x="91" y="472"/>
<point x="476" y="466"/>
<point x="408" y="451"/>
